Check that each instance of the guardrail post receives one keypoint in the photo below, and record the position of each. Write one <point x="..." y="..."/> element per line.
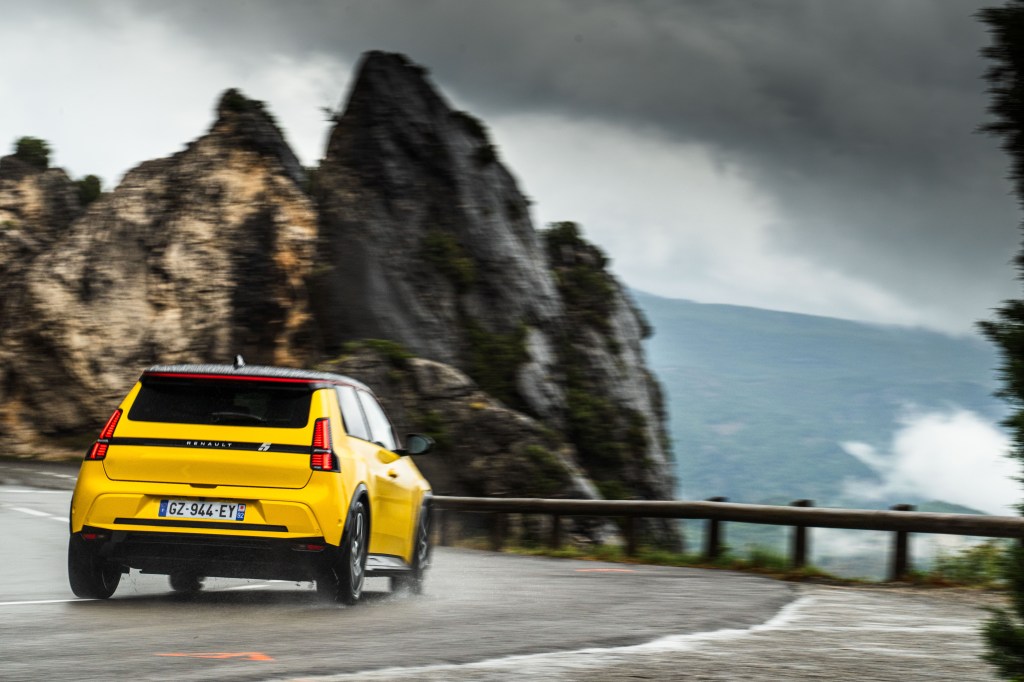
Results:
<point x="900" y="565"/>
<point x="800" y="545"/>
<point x="497" y="531"/>
<point x="630" y="526"/>
<point x="714" y="534"/>
<point x="556" y="532"/>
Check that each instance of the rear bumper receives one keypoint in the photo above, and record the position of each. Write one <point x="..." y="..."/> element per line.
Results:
<point x="223" y="556"/>
<point x="318" y="510"/>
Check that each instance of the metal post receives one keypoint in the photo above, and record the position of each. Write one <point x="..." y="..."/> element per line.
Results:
<point x="900" y="565"/>
<point x="800" y="544"/>
<point x="714" y="534"/>
<point x="556" y="531"/>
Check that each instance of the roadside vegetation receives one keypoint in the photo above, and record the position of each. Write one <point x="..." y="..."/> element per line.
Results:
<point x="982" y="566"/>
<point x="1004" y="632"/>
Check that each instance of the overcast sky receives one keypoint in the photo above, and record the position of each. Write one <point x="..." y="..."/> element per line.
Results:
<point x="816" y="156"/>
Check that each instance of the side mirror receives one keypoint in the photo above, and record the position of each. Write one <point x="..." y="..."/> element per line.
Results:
<point x="417" y="444"/>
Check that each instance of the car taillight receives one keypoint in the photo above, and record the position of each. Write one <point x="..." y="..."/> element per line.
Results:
<point x="99" y="448"/>
<point x="322" y="456"/>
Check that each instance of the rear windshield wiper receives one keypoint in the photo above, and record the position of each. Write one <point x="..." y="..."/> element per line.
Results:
<point x="219" y="417"/>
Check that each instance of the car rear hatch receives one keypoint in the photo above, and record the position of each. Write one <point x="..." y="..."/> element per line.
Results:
<point x="214" y="431"/>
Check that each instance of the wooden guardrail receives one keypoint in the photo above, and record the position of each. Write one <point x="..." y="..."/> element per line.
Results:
<point x="901" y="520"/>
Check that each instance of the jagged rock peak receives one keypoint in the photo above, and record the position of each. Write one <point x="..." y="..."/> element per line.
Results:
<point x="247" y="123"/>
<point x="388" y="81"/>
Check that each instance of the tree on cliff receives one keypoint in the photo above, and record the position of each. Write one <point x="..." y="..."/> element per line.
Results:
<point x="1004" y="632"/>
<point x="33" y="151"/>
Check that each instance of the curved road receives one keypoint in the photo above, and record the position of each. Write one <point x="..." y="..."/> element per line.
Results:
<point x="556" y="619"/>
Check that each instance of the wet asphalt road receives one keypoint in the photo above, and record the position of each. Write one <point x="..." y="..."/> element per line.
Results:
<point x="484" y="617"/>
<point x="477" y="606"/>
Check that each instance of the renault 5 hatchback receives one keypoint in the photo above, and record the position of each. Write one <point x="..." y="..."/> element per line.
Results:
<point x="250" y="472"/>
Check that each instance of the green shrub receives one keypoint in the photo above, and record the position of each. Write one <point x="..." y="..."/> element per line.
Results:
<point x="397" y="355"/>
<point x="89" y="189"/>
<point x="431" y="423"/>
<point x="580" y="272"/>
<point x="33" y="151"/>
<point x="495" y="358"/>
<point x="612" y="490"/>
<point x="443" y="251"/>
<point x="233" y="100"/>
<point x="982" y="565"/>
<point x="312" y="184"/>
<point x="549" y="475"/>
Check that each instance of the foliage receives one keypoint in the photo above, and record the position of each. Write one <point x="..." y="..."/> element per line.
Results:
<point x="233" y="100"/>
<point x="89" y="189"/>
<point x="442" y="250"/>
<point x="397" y="355"/>
<point x="610" y="437"/>
<point x="312" y="184"/>
<point x="431" y="423"/>
<point x="580" y="271"/>
<point x="494" y="360"/>
<point x="548" y="474"/>
<point x="33" y="151"/>
<point x="983" y="565"/>
<point x="1004" y="633"/>
<point x="758" y="560"/>
<point x="612" y="489"/>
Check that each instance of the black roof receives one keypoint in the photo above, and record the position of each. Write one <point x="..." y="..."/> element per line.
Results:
<point x="258" y="371"/>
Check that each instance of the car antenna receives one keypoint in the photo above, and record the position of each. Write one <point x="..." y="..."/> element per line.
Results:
<point x="239" y="362"/>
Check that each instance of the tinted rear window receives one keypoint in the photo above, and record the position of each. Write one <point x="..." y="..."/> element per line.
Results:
<point x="234" y="403"/>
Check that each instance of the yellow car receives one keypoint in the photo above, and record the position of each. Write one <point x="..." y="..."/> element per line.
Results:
<point x="250" y="472"/>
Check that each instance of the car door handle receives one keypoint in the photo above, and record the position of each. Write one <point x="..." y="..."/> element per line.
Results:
<point x="392" y="473"/>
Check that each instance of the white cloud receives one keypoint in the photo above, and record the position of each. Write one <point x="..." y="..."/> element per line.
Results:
<point x="955" y="456"/>
<point x="115" y="92"/>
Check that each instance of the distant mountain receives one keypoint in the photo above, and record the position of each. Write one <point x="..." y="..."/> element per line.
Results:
<point x="759" y="401"/>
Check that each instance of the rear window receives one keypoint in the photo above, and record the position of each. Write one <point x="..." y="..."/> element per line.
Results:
<point x="234" y="403"/>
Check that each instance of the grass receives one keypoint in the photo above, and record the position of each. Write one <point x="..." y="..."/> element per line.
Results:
<point x="978" y="567"/>
<point x="759" y="560"/>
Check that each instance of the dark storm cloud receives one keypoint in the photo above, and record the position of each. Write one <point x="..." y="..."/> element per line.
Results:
<point x="856" y="118"/>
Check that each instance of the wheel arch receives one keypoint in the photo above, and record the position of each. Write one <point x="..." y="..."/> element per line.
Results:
<point x="360" y="494"/>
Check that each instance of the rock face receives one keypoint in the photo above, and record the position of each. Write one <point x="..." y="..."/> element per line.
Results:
<point x="432" y="246"/>
<point x="483" y="448"/>
<point x="410" y="231"/>
<point x="201" y="255"/>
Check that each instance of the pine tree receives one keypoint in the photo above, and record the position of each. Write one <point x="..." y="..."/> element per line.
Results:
<point x="1004" y="632"/>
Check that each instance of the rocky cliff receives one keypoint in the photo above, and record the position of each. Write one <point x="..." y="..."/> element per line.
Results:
<point x="432" y="246"/>
<point x="194" y="257"/>
<point x="411" y="230"/>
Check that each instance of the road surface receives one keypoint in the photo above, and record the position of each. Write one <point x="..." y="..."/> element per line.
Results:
<point x="484" y="617"/>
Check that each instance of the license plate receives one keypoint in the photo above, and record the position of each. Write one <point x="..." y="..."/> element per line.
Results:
<point x="194" y="509"/>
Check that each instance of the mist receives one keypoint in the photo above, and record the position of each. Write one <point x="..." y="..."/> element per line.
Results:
<point x="954" y="456"/>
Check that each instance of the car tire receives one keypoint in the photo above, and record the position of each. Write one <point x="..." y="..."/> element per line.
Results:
<point x="90" y="576"/>
<point x="343" y="581"/>
<point x="413" y="580"/>
<point x="186" y="583"/>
